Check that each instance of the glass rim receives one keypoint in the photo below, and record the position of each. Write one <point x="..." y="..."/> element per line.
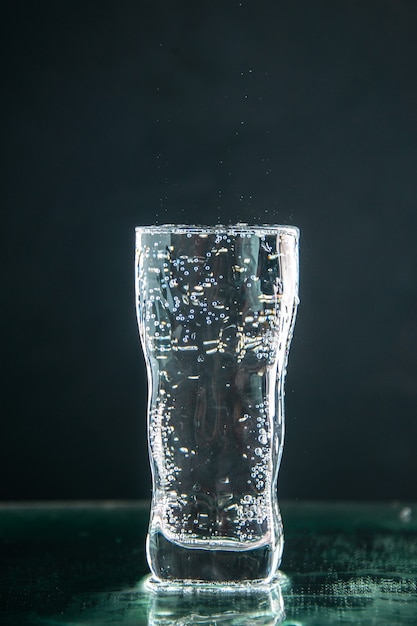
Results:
<point x="231" y="229"/>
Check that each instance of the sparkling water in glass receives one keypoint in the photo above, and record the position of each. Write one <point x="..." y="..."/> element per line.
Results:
<point x="216" y="308"/>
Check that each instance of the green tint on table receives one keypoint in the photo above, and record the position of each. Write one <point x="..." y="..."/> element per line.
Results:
<point x="84" y="564"/>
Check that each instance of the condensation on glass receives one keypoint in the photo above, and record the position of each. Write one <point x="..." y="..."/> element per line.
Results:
<point x="216" y="308"/>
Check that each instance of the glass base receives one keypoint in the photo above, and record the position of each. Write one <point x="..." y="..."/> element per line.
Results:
<point x="188" y="586"/>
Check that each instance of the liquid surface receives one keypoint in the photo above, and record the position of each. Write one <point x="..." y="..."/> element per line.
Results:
<point x="216" y="312"/>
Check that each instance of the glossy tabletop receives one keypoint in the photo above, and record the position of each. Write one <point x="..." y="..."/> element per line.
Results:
<point x="84" y="563"/>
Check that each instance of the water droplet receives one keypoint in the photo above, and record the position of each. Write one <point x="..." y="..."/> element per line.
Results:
<point x="405" y="514"/>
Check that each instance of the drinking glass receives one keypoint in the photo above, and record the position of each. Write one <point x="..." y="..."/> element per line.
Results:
<point x="216" y="307"/>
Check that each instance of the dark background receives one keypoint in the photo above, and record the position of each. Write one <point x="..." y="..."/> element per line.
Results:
<point x="116" y="114"/>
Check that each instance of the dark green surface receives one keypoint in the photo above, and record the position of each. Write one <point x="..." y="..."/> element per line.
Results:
<point x="83" y="564"/>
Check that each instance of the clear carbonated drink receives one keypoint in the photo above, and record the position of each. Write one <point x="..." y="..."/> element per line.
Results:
<point x="216" y="309"/>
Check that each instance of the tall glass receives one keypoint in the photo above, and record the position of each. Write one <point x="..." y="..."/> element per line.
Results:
<point x="216" y="308"/>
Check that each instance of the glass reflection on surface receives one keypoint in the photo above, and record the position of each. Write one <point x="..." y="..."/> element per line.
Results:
<point x="244" y="608"/>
